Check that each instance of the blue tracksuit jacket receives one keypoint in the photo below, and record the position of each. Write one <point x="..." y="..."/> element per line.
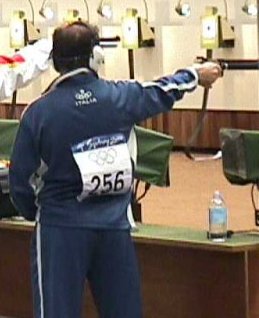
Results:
<point x="45" y="181"/>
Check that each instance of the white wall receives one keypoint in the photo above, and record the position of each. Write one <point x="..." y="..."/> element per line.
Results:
<point x="177" y="45"/>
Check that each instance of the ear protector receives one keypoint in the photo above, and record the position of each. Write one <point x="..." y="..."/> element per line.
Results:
<point x="96" y="58"/>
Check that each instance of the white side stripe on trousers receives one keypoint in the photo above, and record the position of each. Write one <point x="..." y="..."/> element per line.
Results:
<point x="39" y="267"/>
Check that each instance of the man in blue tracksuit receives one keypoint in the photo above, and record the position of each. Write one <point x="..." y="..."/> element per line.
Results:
<point x="72" y="171"/>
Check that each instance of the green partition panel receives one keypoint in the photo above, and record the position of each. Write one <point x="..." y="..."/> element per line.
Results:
<point x="154" y="150"/>
<point x="240" y="155"/>
<point x="8" y="130"/>
<point x="152" y="166"/>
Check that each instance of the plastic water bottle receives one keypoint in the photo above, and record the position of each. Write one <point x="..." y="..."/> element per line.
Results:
<point x="218" y="218"/>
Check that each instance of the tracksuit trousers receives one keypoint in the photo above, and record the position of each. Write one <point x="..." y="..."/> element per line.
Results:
<point x="65" y="258"/>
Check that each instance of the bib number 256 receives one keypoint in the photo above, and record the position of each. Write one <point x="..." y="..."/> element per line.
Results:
<point x="107" y="183"/>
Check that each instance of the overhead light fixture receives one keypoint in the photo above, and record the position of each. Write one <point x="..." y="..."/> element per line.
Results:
<point x="46" y="11"/>
<point x="32" y="11"/>
<point x="72" y="15"/>
<point x="250" y="8"/>
<point x="105" y="9"/>
<point x="87" y="10"/>
<point x="183" y="8"/>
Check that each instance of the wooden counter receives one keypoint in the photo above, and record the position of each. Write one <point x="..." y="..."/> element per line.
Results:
<point x="183" y="274"/>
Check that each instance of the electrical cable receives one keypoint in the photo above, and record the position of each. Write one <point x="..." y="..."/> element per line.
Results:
<point x="32" y="11"/>
<point x="226" y="8"/>
<point x="256" y="210"/>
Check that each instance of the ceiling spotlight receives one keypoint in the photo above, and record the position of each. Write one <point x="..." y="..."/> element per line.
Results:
<point x="250" y="8"/>
<point x="183" y="8"/>
<point x="46" y="11"/>
<point x="105" y="9"/>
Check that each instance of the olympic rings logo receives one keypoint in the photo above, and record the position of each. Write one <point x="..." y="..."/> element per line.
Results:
<point x="103" y="156"/>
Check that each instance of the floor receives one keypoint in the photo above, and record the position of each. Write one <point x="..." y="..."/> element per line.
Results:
<point x="185" y="202"/>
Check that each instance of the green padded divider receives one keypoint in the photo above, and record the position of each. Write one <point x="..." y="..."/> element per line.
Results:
<point x="154" y="150"/>
<point x="240" y="155"/>
<point x="8" y="130"/>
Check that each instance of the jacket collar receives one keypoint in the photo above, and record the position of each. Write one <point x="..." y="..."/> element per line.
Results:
<point x="68" y="75"/>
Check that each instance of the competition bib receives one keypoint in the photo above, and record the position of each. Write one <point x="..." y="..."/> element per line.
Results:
<point x="105" y="165"/>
